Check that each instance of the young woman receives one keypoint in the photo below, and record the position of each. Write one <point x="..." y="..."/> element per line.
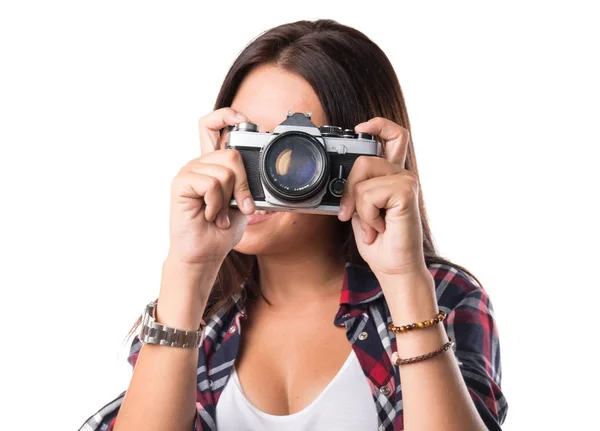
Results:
<point x="313" y="322"/>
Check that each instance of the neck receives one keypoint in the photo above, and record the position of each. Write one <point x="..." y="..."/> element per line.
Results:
<point x="302" y="276"/>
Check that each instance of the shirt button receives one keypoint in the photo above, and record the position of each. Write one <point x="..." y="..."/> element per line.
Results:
<point x="232" y="330"/>
<point x="210" y="383"/>
<point x="363" y="336"/>
<point x="384" y="390"/>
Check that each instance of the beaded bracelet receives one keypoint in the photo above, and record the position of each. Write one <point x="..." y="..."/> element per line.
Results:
<point x="419" y="325"/>
<point x="399" y="361"/>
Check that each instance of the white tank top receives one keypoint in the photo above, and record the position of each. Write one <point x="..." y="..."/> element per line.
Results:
<point x="346" y="404"/>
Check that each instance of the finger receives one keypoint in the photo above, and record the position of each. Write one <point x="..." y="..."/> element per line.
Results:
<point x="232" y="159"/>
<point x="395" y="192"/>
<point x="363" y="231"/>
<point x="210" y="125"/>
<point x="226" y="177"/>
<point x="364" y="168"/>
<point x="395" y="136"/>
<point x="204" y="188"/>
<point x="367" y="200"/>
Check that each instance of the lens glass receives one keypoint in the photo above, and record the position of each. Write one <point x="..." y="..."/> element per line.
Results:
<point x="293" y="164"/>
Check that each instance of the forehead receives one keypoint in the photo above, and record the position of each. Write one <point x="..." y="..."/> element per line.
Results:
<point x="268" y="92"/>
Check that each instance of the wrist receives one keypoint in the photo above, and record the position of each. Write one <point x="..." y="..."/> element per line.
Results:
<point x="410" y="297"/>
<point x="177" y="259"/>
<point x="406" y="279"/>
<point x="184" y="292"/>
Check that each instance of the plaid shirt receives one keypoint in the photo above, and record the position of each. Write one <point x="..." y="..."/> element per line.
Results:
<point x="363" y="310"/>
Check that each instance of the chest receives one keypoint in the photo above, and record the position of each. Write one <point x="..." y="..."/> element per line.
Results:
<point x="346" y="403"/>
<point x="284" y="365"/>
<point x="316" y="348"/>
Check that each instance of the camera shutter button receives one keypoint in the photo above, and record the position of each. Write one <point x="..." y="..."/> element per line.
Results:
<point x="349" y="133"/>
<point x="342" y="149"/>
<point x="366" y="136"/>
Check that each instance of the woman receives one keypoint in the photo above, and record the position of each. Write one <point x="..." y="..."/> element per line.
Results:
<point x="298" y="307"/>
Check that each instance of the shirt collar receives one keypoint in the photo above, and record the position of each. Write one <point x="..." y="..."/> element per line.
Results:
<point x="240" y="304"/>
<point x="360" y="286"/>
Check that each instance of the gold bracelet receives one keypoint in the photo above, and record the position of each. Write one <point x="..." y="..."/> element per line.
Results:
<point x="419" y="325"/>
<point x="398" y="361"/>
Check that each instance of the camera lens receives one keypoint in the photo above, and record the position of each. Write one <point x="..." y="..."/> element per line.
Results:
<point x="294" y="166"/>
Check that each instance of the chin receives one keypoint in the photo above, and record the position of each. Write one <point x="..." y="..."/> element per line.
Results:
<point x="274" y="233"/>
<point x="257" y="243"/>
<point x="255" y="246"/>
<point x="267" y="232"/>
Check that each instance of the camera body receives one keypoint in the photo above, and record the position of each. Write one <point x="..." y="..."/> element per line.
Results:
<point x="299" y="167"/>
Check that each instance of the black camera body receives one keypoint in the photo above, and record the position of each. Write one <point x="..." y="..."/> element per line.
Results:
<point x="299" y="167"/>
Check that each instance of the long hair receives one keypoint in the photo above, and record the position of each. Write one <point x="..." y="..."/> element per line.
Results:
<point x="354" y="81"/>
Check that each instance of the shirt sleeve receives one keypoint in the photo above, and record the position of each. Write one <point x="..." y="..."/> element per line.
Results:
<point x="470" y="323"/>
<point x="105" y="418"/>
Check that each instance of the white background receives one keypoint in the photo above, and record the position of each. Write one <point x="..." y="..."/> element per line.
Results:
<point x="99" y="104"/>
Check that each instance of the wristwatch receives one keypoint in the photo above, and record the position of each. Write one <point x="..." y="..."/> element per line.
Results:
<point x="152" y="332"/>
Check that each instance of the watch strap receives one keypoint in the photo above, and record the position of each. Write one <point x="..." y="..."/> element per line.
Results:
<point x="152" y="332"/>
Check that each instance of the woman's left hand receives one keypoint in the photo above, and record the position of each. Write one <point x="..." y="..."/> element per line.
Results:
<point x="387" y="223"/>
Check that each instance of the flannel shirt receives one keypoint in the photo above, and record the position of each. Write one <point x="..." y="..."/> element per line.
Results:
<point x="363" y="310"/>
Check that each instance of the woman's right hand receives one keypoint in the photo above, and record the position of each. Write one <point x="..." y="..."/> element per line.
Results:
<point x="203" y="228"/>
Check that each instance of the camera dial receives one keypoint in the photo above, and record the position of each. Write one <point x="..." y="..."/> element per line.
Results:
<point x="331" y="131"/>
<point x="246" y="127"/>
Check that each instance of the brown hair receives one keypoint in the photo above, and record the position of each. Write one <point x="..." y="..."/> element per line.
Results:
<point x="355" y="82"/>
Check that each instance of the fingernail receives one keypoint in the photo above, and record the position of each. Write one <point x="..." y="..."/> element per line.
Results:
<point x="224" y="221"/>
<point x="241" y="117"/>
<point x="342" y="210"/>
<point x="363" y="236"/>
<point x="248" y="205"/>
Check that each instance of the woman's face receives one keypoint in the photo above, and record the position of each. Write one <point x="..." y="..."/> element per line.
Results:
<point x="265" y="96"/>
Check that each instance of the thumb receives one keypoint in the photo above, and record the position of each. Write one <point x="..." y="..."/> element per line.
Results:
<point x="238" y="223"/>
<point x="238" y="218"/>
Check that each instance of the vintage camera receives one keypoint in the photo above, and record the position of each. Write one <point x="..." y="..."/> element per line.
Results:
<point x="299" y="167"/>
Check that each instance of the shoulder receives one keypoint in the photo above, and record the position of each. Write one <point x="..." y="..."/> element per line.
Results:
<point x="470" y="323"/>
<point x="455" y="287"/>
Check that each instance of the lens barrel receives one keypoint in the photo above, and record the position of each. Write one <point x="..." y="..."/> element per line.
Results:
<point x="294" y="166"/>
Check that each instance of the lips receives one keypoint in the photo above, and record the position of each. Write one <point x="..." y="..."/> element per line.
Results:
<point x="260" y="216"/>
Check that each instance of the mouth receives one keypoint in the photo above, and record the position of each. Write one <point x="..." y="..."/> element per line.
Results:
<point x="260" y="216"/>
